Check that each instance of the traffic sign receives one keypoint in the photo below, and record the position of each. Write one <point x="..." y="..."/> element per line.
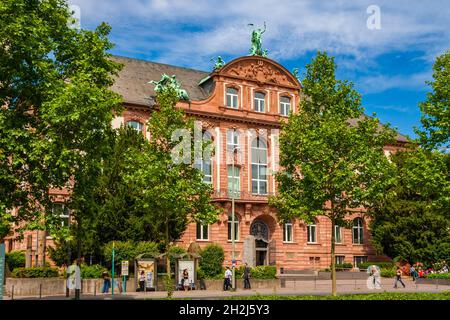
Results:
<point x="125" y="266"/>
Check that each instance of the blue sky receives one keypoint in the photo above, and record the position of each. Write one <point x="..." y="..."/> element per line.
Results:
<point x="389" y="66"/>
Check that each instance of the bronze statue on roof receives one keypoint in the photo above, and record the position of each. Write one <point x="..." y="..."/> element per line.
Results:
<point x="256" y="49"/>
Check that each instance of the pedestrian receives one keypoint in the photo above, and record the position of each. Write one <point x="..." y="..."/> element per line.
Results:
<point x="412" y="273"/>
<point x="398" y="278"/>
<point x="185" y="280"/>
<point x="227" y="279"/>
<point x="106" y="282"/>
<point x="247" y="277"/>
<point x="142" y="281"/>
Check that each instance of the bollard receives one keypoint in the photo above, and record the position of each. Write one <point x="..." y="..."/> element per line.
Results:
<point x="40" y="291"/>
<point x="12" y="292"/>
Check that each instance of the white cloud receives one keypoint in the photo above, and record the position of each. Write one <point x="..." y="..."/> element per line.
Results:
<point x="380" y="83"/>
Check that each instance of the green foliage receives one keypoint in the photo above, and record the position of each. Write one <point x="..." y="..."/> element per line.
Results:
<point x="35" y="272"/>
<point x="263" y="272"/>
<point x="388" y="272"/>
<point x="60" y="253"/>
<point x="128" y="250"/>
<point x="53" y="80"/>
<point x="438" y="276"/>
<point x="346" y="265"/>
<point x="372" y="296"/>
<point x="436" y="109"/>
<point x="15" y="259"/>
<point x="413" y="225"/>
<point x="365" y="265"/>
<point x="92" y="272"/>
<point x="211" y="261"/>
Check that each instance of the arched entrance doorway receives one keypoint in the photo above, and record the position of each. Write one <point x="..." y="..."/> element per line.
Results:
<point x="260" y="230"/>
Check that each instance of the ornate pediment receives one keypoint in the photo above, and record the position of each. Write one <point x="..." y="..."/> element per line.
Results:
<point x="260" y="70"/>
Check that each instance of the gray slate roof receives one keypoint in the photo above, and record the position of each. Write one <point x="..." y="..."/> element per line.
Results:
<point x="133" y="85"/>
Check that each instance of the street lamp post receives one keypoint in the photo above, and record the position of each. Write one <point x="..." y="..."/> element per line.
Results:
<point x="233" y="230"/>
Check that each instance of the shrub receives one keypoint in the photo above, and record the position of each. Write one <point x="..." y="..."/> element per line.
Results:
<point x="212" y="257"/>
<point x="128" y="250"/>
<point x="263" y="272"/>
<point x="59" y="253"/>
<point x="388" y="272"/>
<point x="346" y="265"/>
<point x="15" y="259"/>
<point x="175" y="251"/>
<point x="35" y="272"/>
<point x="438" y="276"/>
<point x="382" y="265"/>
<point x="92" y="272"/>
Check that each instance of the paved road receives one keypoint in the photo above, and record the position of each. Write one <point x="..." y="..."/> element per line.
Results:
<point x="320" y="287"/>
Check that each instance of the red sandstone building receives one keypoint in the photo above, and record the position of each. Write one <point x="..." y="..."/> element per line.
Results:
<point x="240" y="105"/>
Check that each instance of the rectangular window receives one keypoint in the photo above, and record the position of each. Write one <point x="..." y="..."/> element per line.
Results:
<point x="285" y="106"/>
<point x="234" y="177"/>
<point x="232" y="98"/>
<point x="358" y="260"/>
<point x="61" y="211"/>
<point x="259" y="101"/>
<point x="287" y="234"/>
<point x="232" y="140"/>
<point x="202" y="232"/>
<point x="205" y="167"/>
<point x="340" y="259"/>
<point x="259" y="179"/>
<point x="236" y="228"/>
<point x="312" y="233"/>
<point x="337" y="234"/>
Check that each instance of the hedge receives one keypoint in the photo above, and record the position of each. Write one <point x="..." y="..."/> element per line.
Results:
<point x="92" y="272"/>
<point x="35" y="272"/>
<point x="211" y="261"/>
<point x="382" y="265"/>
<point x="128" y="251"/>
<point x="263" y="272"/>
<point x="388" y="273"/>
<point x="438" y="276"/>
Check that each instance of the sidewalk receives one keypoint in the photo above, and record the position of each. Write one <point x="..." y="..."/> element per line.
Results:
<point x="321" y="287"/>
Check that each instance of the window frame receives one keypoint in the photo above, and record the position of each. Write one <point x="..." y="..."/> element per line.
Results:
<point x="286" y="227"/>
<point x="338" y="257"/>
<point x="308" y="232"/>
<point x="257" y="165"/>
<point x="140" y="125"/>
<point x="201" y="227"/>
<point x="232" y="97"/>
<point x="257" y="102"/>
<point x="237" y="223"/>
<point x="359" y="229"/>
<point x="284" y="105"/>
<point x="64" y="217"/>
<point x="237" y="180"/>
<point x="200" y="164"/>
<point x="336" y="227"/>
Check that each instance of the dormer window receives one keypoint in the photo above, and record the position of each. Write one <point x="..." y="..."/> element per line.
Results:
<point x="232" y="98"/>
<point x="259" y="101"/>
<point x="285" y="106"/>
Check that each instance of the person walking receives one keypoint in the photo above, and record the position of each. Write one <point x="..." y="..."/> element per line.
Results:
<point x="142" y="281"/>
<point x="247" y="277"/>
<point x="398" y="278"/>
<point x="106" y="282"/>
<point x="185" y="281"/>
<point x="227" y="279"/>
<point x="413" y="273"/>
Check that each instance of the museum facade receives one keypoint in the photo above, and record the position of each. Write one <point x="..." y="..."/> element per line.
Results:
<point x="239" y="106"/>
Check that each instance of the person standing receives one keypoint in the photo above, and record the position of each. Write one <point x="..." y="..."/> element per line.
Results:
<point x="412" y="272"/>
<point x="106" y="282"/>
<point x="247" y="277"/>
<point x="185" y="280"/>
<point x="227" y="279"/>
<point x="142" y="281"/>
<point x="398" y="278"/>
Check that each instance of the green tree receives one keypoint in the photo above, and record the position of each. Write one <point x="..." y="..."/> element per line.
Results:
<point x="174" y="193"/>
<point x="436" y="109"/>
<point x="56" y="107"/>
<point x="414" y="224"/>
<point x="331" y="155"/>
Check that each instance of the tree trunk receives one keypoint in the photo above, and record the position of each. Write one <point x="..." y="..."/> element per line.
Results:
<point x="333" y="259"/>
<point x="168" y="271"/>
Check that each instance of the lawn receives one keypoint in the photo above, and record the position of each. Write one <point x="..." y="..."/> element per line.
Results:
<point x="372" y="296"/>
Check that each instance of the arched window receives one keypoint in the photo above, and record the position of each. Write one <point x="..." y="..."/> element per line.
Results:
<point x="358" y="231"/>
<point x="259" y="101"/>
<point x="259" y="166"/>
<point x="285" y="105"/>
<point x="135" y="125"/>
<point x="232" y="98"/>
<point x="236" y="227"/>
<point x="204" y="165"/>
<point x="312" y="232"/>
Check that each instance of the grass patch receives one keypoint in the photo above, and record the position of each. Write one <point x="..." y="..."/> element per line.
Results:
<point x="371" y="296"/>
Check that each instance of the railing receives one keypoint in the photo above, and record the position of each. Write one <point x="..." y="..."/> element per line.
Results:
<point x="241" y="195"/>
